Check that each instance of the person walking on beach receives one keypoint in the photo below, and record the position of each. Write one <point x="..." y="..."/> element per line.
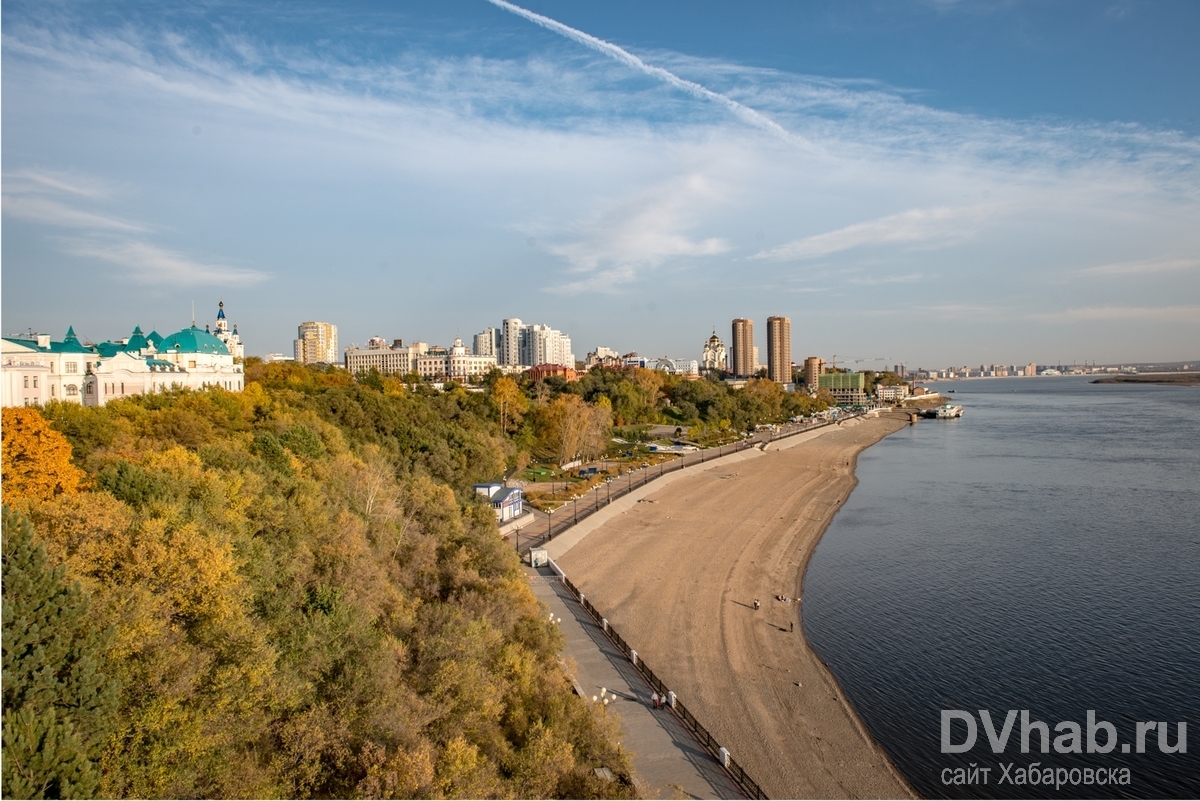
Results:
<point x="757" y="605"/>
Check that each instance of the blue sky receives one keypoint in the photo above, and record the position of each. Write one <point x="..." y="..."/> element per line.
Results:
<point x="927" y="182"/>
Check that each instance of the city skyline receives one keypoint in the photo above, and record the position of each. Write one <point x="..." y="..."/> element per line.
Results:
<point x="1026" y="190"/>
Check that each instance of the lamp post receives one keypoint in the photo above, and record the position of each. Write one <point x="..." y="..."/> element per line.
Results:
<point x="549" y="525"/>
<point x="575" y="503"/>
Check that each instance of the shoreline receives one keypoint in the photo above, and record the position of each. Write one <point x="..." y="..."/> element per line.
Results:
<point x="748" y="524"/>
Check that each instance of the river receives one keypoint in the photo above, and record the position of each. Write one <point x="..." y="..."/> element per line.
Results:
<point x="1040" y="553"/>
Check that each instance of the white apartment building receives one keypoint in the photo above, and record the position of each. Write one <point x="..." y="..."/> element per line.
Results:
<point x="316" y="343"/>
<point x="516" y="344"/>
<point x="487" y="342"/>
<point x="510" y="342"/>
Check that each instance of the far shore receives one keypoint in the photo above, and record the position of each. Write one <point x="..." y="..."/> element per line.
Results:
<point x="677" y="570"/>
<point x="1167" y="379"/>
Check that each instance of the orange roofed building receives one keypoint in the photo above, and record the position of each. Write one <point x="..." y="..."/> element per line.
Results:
<point x="543" y="371"/>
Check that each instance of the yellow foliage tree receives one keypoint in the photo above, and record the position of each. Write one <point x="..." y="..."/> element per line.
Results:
<point x="36" y="458"/>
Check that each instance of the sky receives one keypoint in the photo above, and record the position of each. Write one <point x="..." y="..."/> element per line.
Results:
<point x="933" y="182"/>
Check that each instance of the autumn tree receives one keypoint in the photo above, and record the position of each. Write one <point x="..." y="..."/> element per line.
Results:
<point x="36" y="458"/>
<point x="509" y="402"/>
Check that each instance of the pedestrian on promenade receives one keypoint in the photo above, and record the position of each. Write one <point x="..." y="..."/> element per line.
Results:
<point x="654" y="699"/>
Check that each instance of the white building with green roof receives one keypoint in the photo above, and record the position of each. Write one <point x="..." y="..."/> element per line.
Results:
<point x="37" y="370"/>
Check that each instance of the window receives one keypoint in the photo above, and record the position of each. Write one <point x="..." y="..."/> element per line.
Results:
<point x="26" y="382"/>
<point x="90" y="388"/>
<point x="35" y="382"/>
<point x="122" y="387"/>
<point x="72" y="367"/>
<point x="191" y="362"/>
<point x="72" y="390"/>
<point x="52" y="390"/>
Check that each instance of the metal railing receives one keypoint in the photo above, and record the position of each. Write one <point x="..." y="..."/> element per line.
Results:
<point x="702" y="735"/>
<point x="616" y="490"/>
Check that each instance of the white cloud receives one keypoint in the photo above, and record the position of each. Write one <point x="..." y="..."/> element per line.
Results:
<point x="936" y="227"/>
<point x="144" y="263"/>
<point x="1141" y="267"/>
<point x="637" y="234"/>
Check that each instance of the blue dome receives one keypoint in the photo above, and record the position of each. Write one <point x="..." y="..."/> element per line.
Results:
<point x="194" y="340"/>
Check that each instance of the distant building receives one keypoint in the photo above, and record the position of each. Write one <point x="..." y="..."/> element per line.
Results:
<point x="715" y="357"/>
<point x="463" y="366"/>
<point x="845" y="387"/>
<point x="779" y="349"/>
<point x="689" y="368"/>
<point x="487" y="342"/>
<point x="316" y="343"/>
<point x="743" y="359"/>
<point x="456" y="363"/>
<point x="396" y="359"/>
<point x="517" y="344"/>
<point x="603" y="357"/>
<point x="814" y="366"/>
<point x="1031" y="369"/>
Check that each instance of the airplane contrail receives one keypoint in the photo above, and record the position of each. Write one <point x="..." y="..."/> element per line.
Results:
<point x="744" y="113"/>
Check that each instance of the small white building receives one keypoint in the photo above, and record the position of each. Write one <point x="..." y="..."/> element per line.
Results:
<point x="507" y="502"/>
<point x="893" y="393"/>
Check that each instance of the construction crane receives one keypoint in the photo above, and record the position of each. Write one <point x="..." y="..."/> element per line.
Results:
<point x="851" y="359"/>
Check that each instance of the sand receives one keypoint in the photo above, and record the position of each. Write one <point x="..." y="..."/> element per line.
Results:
<point x="677" y="574"/>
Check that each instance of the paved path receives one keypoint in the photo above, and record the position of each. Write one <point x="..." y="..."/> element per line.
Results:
<point x="668" y="760"/>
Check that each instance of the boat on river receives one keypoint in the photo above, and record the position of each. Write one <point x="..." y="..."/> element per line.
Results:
<point x="947" y="412"/>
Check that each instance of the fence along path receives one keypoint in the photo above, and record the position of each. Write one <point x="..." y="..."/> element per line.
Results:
<point x="616" y="490"/>
<point x="702" y="735"/>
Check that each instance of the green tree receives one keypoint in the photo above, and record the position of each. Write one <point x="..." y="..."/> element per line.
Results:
<point x="58" y="701"/>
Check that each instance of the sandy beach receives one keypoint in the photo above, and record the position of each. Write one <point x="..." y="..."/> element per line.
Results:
<point x="677" y="573"/>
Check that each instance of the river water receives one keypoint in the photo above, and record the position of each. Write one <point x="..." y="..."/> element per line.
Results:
<point x="1040" y="553"/>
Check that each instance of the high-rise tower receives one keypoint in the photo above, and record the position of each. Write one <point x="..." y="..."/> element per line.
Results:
<point x="743" y="348"/>
<point x="779" y="349"/>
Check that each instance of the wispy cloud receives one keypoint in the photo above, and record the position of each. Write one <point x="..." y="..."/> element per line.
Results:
<point x="25" y="180"/>
<point x="144" y="263"/>
<point x="929" y="227"/>
<point x="1159" y="314"/>
<point x="51" y="212"/>
<point x="639" y="233"/>
<point x="1140" y="267"/>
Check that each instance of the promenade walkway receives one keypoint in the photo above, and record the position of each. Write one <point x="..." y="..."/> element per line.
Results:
<point x="668" y="760"/>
